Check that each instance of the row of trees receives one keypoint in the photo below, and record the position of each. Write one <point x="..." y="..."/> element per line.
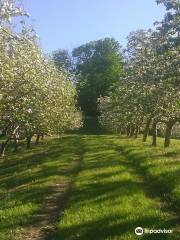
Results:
<point x="148" y="94"/>
<point x="94" y="67"/>
<point x="36" y="98"/>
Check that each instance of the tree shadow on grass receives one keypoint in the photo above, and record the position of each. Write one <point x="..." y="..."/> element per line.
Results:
<point x="98" y="188"/>
<point x="159" y="185"/>
<point x="27" y="177"/>
<point x="110" y="227"/>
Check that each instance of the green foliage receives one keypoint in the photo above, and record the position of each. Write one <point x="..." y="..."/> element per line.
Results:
<point x="150" y="90"/>
<point x="99" y="65"/>
<point x="171" y="22"/>
<point x="62" y="60"/>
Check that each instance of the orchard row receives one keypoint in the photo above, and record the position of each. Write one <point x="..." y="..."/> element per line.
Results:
<point x="147" y="97"/>
<point x="35" y="97"/>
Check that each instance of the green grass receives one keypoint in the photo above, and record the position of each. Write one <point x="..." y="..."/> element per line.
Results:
<point x="121" y="184"/>
<point x="26" y="178"/>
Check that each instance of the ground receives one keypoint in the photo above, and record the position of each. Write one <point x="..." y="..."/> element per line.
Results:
<point x="90" y="187"/>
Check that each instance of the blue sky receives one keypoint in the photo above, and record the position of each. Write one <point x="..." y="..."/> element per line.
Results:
<point x="69" y="23"/>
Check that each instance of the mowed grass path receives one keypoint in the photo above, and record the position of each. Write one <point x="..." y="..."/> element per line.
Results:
<point x="27" y="178"/>
<point x="121" y="184"/>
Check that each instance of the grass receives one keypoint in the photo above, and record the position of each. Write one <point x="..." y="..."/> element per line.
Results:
<point x="121" y="184"/>
<point x="27" y="177"/>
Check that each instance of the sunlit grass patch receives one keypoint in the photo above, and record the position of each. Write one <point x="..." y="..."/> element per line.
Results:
<point x="27" y="177"/>
<point x="111" y="194"/>
<point x="122" y="183"/>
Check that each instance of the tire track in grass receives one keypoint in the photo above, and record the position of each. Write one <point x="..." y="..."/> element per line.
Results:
<point x="108" y="199"/>
<point x="54" y="205"/>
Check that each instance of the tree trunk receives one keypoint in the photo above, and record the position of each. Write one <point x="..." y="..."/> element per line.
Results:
<point x="120" y="131"/>
<point x="15" y="144"/>
<point x="28" y="142"/>
<point x="42" y="137"/>
<point x="136" y="132"/>
<point x="146" y="130"/>
<point x="168" y="131"/>
<point x="3" y="147"/>
<point x="154" y="133"/>
<point x="132" y="131"/>
<point x="37" y="139"/>
<point x="127" y="131"/>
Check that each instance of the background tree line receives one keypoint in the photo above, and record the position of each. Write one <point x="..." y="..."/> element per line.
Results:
<point x="95" y="66"/>
<point x="133" y="90"/>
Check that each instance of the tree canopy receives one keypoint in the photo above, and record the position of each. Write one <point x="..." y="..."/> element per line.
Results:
<point x="36" y="98"/>
<point x="99" y="64"/>
<point x="148" y="95"/>
<point x="62" y="60"/>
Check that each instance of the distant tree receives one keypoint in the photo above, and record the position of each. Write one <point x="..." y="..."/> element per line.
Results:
<point x="62" y="59"/>
<point x="99" y="65"/>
